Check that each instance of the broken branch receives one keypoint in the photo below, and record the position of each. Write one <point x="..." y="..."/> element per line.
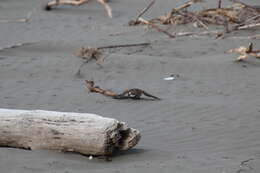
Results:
<point x="89" y="53"/>
<point x="124" y="45"/>
<point x="145" y="10"/>
<point x="245" y="52"/>
<point x="21" y="20"/>
<point x="16" y="45"/>
<point x="152" y="25"/>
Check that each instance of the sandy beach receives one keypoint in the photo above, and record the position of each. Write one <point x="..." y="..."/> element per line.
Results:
<point x="208" y="120"/>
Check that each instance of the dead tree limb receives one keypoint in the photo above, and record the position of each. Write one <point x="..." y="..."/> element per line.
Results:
<point x="89" y="53"/>
<point x="145" y="10"/>
<point x="152" y="25"/>
<point x="219" y="3"/>
<point x="92" y="88"/>
<point x="20" y="20"/>
<point x="16" y="45"/>
<point x="245" y="52"/>
<point x="136" y="21"/>
<point x="123" y="45"/>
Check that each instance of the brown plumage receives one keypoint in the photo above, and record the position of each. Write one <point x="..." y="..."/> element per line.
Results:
<point x="134" y="93"/>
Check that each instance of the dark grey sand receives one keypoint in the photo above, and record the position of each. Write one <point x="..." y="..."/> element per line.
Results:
<point x="207" y="122"/>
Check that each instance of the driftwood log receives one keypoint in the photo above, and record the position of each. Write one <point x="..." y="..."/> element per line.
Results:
<point x="84" y="133"/>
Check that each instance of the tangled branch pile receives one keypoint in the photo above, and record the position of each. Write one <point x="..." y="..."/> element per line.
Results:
<point x="236" y="17"/>
<point x="238" y="13"/>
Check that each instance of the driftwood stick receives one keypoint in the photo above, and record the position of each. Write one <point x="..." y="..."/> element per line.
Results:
<point x="64" y="2"/>
<point x="236" y="27"/>
<point x="200" y="22"/>
<point x="187" y="4"/>
<point x="84" y="133"/>
<point x="16" y="45"/>
<point x="107" y="7"/>
<point x="89" y="53"/>
<point x="124" y="45"/>
<point x="152" y="25"/>
<point x="136" y="21"/>
<point x="21" y="20"/>
<point x="92" y="88"/>
<point x="145" y="10"/>
<point x="257" y="36"/>
<point x="219" y="3"/>
<point x="182" y="34"/>
<point x="249" y="26"/>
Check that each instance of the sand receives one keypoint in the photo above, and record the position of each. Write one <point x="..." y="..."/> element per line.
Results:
<point x="208" y="120"/>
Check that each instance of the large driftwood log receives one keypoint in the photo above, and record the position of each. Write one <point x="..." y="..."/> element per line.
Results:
<point x="83" y="133"/>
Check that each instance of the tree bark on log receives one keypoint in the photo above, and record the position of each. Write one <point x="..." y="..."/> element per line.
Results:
<point x="84" y="133"/>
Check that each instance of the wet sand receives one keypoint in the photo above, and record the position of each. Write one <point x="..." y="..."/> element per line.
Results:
<point x="208" y="120"/>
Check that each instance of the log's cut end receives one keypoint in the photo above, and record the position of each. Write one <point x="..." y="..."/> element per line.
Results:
<point x="84" y="133"/>
<point x="129" y="137"/>
<point x="122" y="138"/>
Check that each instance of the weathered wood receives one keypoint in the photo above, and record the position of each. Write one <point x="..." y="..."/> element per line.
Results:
<point x="83" y="133"/>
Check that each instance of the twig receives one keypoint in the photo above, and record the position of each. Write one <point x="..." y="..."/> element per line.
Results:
<point x="201" y="23"/>
<point x="187" y="4"/>
<point x="257" y="36"/>
<point x="16" y="45"/>
<point x="156" y="27"/>
<point x="89" y="53"/>
<point x="237" y="27"/>
<point x="182" y="34"/>
<point x="219" y="3"/>
<point x="249" y="26"/>
<point x="92" y="88"/>
<point x="136" y="21"/>
<point x="246" y="161"/>
<point x="124" y="45"/>
<point x="107" y="7"/>
<point x="21" y="20"/>
<point x="145" y="10"/>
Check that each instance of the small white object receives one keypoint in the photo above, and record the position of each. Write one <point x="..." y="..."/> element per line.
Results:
<point x="169" y="78"/>
<point x="90" y="157"/>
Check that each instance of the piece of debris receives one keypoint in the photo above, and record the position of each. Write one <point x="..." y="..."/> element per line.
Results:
<point x="237" y="17"/>
<point x="92" y="88"/>
<point x="19" y="20"/>
<point x="134" y="93"/>
<point x="237" y="14"/>
<point x="56" y="3"/>
<point x="89" y="53"/>
<point x="171" y="77"/>
<point x="83" y="133"/>
<point x="17" y="45"/>
<point x="245" y="52"/>
<point x="136" y="21"/>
